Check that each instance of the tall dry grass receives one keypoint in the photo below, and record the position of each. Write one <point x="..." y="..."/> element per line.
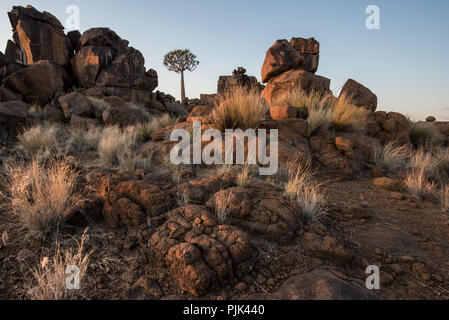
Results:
<point x="240" y="109"/>
<point x="345" y="114"/>
<point x="146" y="129"/>
<point x="50" y="278"/>
<point x="38" y="138"/>
<point x="115" y="144"/>
<point x="42" y="195"/>
<point x="304" y="190"/>
<point x="391" y="156"/>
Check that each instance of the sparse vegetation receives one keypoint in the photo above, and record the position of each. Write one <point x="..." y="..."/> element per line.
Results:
<point x="42" y="196"/>
<point x="49" y="279"/>
<point x="425" y="135"/>
<point x="245" y="176"/>
<point x="99" y="106"/>
<point x="302" y="188"/>
<point x="304" y="101"/>
<point x="320" y="118"/>
<point x="240" y="109"/>
<point x="419" y="186"/>
<point x="346" y="115"/>
<point x="391" y="156"/>
<point x="115" y="144"/>
<point x="38" y="138"/>
<point x="145" y="130"/>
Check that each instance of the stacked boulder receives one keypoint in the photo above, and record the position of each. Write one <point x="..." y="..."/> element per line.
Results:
<point x="358" y="95"/>
<point x="105" y="61"/>
<point x="292" y="64"/>
<point x="227" y="84"/>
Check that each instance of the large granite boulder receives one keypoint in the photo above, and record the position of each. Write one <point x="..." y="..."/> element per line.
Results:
<point x="103" y="37"/>
<point x="280" y="57"/>
<point x="89" y="61"/>
<point x="76" y="104"/>
<point x="13" y="115"/>
<point x="40" y="36"/>
<point x="359" y="95"/>
<point x="39" y="82"/>
<point x="309" y="50"/>
<point x="285" y="82"/>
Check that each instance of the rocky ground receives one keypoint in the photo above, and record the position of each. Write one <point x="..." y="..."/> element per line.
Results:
<point x="153" y="230"/>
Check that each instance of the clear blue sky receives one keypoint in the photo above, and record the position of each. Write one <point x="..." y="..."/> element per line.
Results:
<point x="406" y="63"/>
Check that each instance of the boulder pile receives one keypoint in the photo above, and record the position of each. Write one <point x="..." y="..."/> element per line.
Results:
<point x="43" y="66"/>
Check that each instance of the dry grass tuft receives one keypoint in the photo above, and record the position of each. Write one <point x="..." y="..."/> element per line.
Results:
<point x="99" y="106"/>
<point x="426" y="135"/>
<point x="37" y="138"/>
<point x="346" y="114"/>
<point x="391" y="156"/>
<point x="145" y="130"/>
<point x="240" y="109"/>
<point x="302" y="188"/>
<point x="245" y="176"/>
<point x="304" y="101"/>
<point x="50" y="278"/>
<point x="116" y="144"/>
<point x="419" y="186"/>
<point x="42" y="196"/>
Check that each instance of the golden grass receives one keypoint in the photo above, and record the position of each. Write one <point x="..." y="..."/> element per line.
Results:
<point x="346" y="114"/>
<point x="245" y="176"/>
<point x="320" y="118"/>
<point x="42" y="196"/>
<point x="304" y="101"/>
<point x="49" y="279"/>
<point x="302" y="188"/>
<point x="392" y="156"/>
<point x="419" y="186"/>
<point x="116" y="143"/>
<point x="99" y="106"/>
<point x="145" y="130"/>
<point x="240" y="109"/>
<point x="38" y="138"/>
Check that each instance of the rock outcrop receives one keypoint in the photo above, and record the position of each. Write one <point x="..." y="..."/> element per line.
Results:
<point x="291" y="65"/>
<point x="359" y="95"/>
<point x="227" y="84"/>
<point x="40" y="36"/>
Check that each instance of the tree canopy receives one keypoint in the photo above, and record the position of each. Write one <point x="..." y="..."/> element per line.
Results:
<point x="180" y="61"/>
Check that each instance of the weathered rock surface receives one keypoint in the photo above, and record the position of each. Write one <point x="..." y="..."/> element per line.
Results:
<point x="198" y="251"/>
<point x="258" y="211"/>
<point x="280" y="57"/>
<point x="228" y="84"/>
<point x="287" y="81"/>
<point x="123" y="116"/>
<point x="319" y="285"/>
<point x="40" y="35"/>
<point x="39" y="82"/>
<point x="76" y="104"/>
<point x="359" y="95"/>
<point x="13" y="115"/>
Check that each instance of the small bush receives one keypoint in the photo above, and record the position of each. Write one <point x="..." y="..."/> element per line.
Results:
<point x="391" y="157"/>
<point x="304" y="101"/>
<point x="38" y="138"/>
<point x="320" y="118"/>
<point x="419" y="186"/>
<point x="426" y="135"/>
<point x="116" y="143"/>
<point x="240" y="109"/>
<point x="82" y="141"/>
<point x="346" y="114"/>
<point x="424" y="161"/>
<point x="49" y="279"/>
<point x="42" y="196"/>
<point x="99" y="106"/>
<point x="145" y="130"/>
<point x="245" y="176"/>
<point x="128" y="162"/>
<point x="302" y="188"/>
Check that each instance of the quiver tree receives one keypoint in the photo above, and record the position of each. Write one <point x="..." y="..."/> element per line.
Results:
<point x="180" y="61"/>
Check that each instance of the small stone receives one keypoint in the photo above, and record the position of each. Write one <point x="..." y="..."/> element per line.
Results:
<point x="406" y="259"/>
<point x="386" y="279"/>
<point x="396" y="268"/>
<point x="271" y="282"/>
<point x="397" y="196"/>
<point x="241" y="286"/>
